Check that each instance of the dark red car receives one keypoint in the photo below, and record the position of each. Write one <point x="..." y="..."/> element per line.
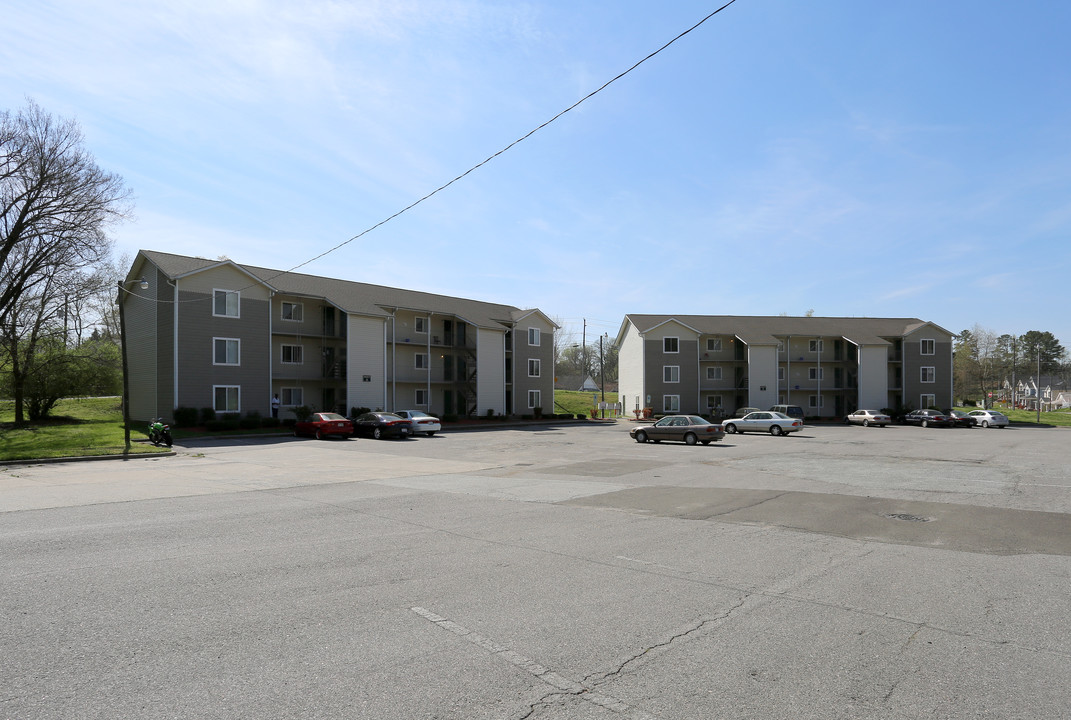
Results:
<point x="323" y="424"/>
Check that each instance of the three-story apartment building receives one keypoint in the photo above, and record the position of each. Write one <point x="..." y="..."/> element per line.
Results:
<point x="827" y="366"/>
<point x="217" y="334"/>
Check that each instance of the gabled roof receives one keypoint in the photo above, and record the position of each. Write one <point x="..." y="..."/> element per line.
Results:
<point x="354" y="298"/>
<point x="767" y="330"/>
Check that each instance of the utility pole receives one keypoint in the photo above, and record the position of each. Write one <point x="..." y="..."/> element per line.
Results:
<point x="602" y="377"/>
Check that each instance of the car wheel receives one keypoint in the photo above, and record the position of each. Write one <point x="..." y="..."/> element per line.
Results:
<point x="641" y="437"/>
<point x="730" y="428"/>
<point x="776" y="430"/>
<point x="925" y="423"/>
<point x="866" y="423"/>
<point x="690" y="439"/>
<point x="705" y="442"/>
<point x="431" y="434"/>
<point x="319" y="435"/>
<point x="985" y="423"/>
<point x="881" y="426"/>
<point x="377" y="433"/>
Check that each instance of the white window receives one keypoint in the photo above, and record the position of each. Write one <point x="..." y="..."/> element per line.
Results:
<point x="291" y="396"/>
<point x="926" y="347"/>
<point x="713" y="373"/>
<point x="816" y="401"/>
<point x="420" y="361"/>
<point x="225" y="303"/>
<point x="225" y="351"/>
<point x="226" y="398"/>
<point x="421" y="325"/>
<point x="816" y="346"/>
<point x="293" y="354"/>
<point x="671" y="373"/>
<point x="713" y="344"/>
<point x="671" y="403"/>
<point x="780" y="346"/>
<point x="534" y="367"/>
<point x="713" y="401"/>
<point x="927" y="401"/>
<point x="534" y="399"/>
<point x="293" y="311"/>
<point x="421" y="398"/>
<point x="671" y="345"/>
<point x="816" y="373"/>
<point x="533" y="337"/>
<point x="928" y="375"/>
<point x="780" y="373"/>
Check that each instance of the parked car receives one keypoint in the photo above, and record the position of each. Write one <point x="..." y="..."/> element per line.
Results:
<point x="741" y="412"/>
<point x="794" y="411"/>
<point x="687" y="428"/>
<point x="866" y="418"/>
<point x="925" y="418"/>
<point x="422" y="422"/>
<point x="774" y="423"/>
<point x="381" y="425"/>
<point x="960" y="418"/>
<point x="324" y="424"/>
<point x="989" y="418"/>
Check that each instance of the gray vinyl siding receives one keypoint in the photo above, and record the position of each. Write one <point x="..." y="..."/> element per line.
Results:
<point x="140" y="316"/>
<point x="686" y="360"/>
<point x="522" y="353"/>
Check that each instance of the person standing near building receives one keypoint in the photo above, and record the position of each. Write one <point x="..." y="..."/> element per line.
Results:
<point x="275" y="406"/>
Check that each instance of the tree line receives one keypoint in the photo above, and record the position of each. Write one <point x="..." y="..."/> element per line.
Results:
<point x="984" y="361"/>
<point x="58" y="329"/>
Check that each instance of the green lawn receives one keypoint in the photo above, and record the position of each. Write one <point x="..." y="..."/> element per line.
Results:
<point x="78" y="427"/>
<point x="576" y="402"/>
<point x="1060" y="418"/>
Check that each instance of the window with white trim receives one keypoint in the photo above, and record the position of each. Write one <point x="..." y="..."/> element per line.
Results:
<point x="780" y="374"/>
<point x="927" y="401"/>
<point x="927" y="375"/>
<point x="780" y="346"/>
<point x="927" y="347"/>
<point x="292" y="311"/>
<point x="420" y="361"/>
<point x="816" y="345"/>
<point x="816" y="373"/>
<point x="816" y="401"/>
<point x="225" y="351"/>
<point x="420" y="325"/>
<point x="713" y="344"/>
<point x="713" y="401"/>
<point x="227" y="398"/>
<point x="421" y="398"/>
<point x="671" y="403"/>
<point x="713" y="373"/>
<point x="533" y="337"/>
<point x="671" y="345"/>
<point x="671" y="373"/>
<point x="226" y="303"/>
<point x="534" y="399"/>
<point x="291" y="396"/>
<point x="534" y="366"/>
<point x="293" y="354"/>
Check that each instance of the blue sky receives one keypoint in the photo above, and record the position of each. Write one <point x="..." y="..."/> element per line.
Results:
<point x="906" y="159"/>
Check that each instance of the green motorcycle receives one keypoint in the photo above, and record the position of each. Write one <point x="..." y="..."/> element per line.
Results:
<point x="159" y="433"/>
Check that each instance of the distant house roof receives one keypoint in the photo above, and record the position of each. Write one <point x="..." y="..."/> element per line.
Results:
<point x="355" y="298"/>
<point x="767" y="330"/>
<point x="575" y="382"/>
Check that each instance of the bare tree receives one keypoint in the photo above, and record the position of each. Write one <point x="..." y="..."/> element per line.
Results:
<point x="55" y="203"/>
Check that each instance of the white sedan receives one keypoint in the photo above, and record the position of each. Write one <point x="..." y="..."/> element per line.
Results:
<point x="422" y="422"/>
<point x="988" y="418"/>
<point x="866" y="418"/>
<point x="774" y="423"/>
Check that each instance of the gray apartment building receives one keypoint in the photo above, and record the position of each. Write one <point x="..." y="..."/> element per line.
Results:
<point x="218" y="334"/>
<point x="829" y="366"/>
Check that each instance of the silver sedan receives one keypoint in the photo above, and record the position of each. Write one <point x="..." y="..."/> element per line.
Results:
<point x="774" y="423"/>
<point x="866" y="418"/>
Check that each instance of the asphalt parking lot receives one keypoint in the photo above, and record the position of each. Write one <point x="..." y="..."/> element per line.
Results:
<point x="550" y="572"/>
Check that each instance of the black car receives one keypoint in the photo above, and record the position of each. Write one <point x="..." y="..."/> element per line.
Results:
<point x="960" y="418"/>
<point x="381" y="425"/>
<point x="926" y="418"/>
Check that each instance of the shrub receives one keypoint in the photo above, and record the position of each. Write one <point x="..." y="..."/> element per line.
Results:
<point x="185" y="417"/>
<point x="251" y="421"/>
<point x="207" y="415"/>
<point x="355" y="411"/>
<point x="449" y="417"/>
<point x="270" y="422"/>
<point x="222" y="425"/>
<point x="303" y="413"/>
<point x="289" y="422"/>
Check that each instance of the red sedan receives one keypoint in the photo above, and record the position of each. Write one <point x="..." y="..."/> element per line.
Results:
<point x="323" y="424"/>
